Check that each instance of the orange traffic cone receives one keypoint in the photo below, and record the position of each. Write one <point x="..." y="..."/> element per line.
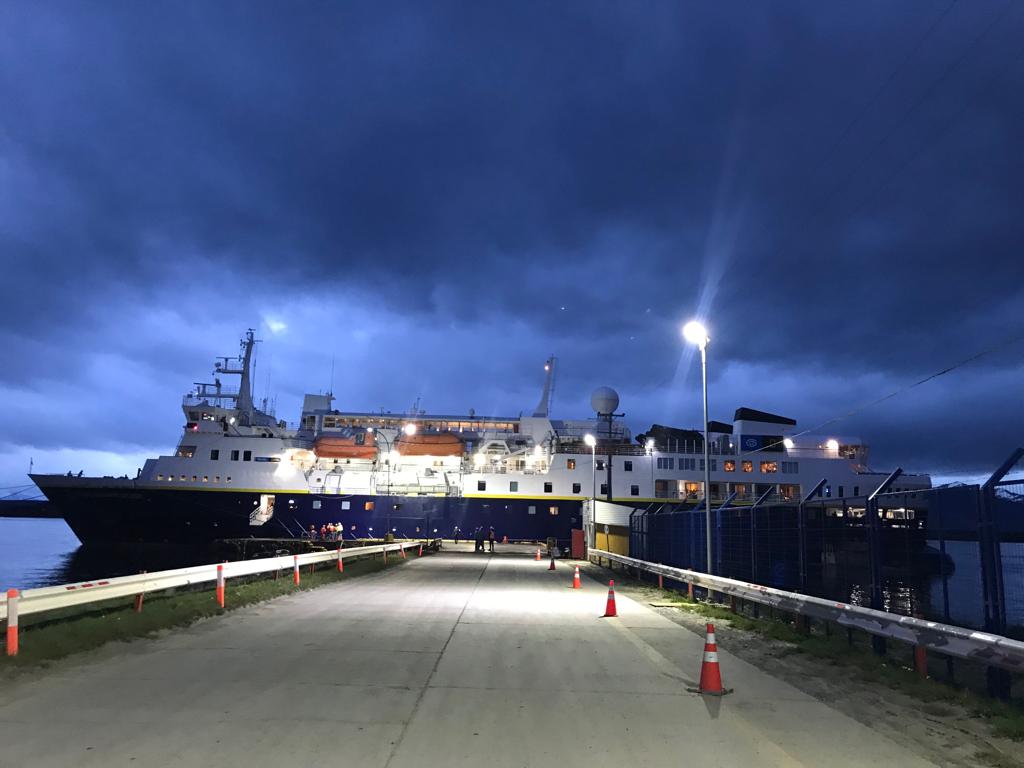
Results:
<point x="576" y="578"/>
<point x="609" y="610"/>
<point x="537" y="558"/>
<point x="552" y="566"/>
<point x="710" y="674"/>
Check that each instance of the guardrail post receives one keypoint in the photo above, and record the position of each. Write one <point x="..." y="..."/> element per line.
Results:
<point x="689" y="589"/>
<point x="341" y="561"/>
<point x="295" y="571"/>
<point x="220" y="585"/>
<point x="661" y="581"/>
<point x="138" y="599"/>
<point x="12" y="622"/>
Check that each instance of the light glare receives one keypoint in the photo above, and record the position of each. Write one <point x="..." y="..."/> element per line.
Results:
<point x="695" y="333"/>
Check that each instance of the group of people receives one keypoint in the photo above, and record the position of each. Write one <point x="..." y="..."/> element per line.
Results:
<point x="479" y="537"/>
<point x="327" y="532"/>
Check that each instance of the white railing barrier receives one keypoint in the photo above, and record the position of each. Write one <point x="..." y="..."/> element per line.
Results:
<point x="43" y="599"/>
<point x="956" y="641"/>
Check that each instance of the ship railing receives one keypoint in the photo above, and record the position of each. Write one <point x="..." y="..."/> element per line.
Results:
<point x="44" y="599"/>
<point x="987" y="648"/>
<point x="614" y="449"/>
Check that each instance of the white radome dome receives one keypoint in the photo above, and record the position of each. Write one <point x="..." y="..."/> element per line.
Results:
<point x="604" y="400"/>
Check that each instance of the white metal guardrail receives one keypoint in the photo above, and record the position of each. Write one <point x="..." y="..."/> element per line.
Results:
<point x="964" y="643"/>
<point x="69" y="595"/>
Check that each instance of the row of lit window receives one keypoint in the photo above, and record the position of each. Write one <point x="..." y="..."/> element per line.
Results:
<point x="335" y="422"/>
<point x="195" y="478"/>
<point x="188" y="451"/>
<point x="766" y="467"/>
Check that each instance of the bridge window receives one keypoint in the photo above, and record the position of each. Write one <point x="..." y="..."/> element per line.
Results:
<point x="186" y="451"/>
<point x="246" y="455"/>
<point x="481" y="485"/>
<point x="214" y="454"/>
<point x="634" y="490"/>
<point x="513" y="486"/>
<point x="575" y="487"/>
<point x="570" y="464"/>
<point x="548" y="487"/>
<point x="628" y="466"/>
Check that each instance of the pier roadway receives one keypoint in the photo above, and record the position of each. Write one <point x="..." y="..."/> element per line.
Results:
<point x="455" y="659"/>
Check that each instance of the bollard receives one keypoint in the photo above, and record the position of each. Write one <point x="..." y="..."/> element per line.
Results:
<point x="138" y="599"/>
<point x="295" y="571"/>
<point x="12" y="622"/>
<point x="661" y="581"/>
<point x="220" y="585"/>
<point x="341" y="562"/>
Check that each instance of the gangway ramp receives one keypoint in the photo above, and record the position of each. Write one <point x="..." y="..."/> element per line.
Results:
<point x="456" y="659"/>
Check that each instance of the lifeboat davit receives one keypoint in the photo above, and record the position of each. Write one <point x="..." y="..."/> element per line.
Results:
<point x="338" y="447"/>
<point x="441" y="444"/>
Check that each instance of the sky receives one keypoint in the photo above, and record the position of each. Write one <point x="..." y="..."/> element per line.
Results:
<point x="432" y="198"/>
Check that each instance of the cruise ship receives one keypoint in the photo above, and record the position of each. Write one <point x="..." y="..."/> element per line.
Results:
<point x="238" y="472"/>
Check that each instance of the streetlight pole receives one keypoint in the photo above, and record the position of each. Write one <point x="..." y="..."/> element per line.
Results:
<point x="592" y="442"/>
<point x="697" y="334"/>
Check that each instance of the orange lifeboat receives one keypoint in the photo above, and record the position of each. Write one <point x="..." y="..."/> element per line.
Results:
<point x="338" y="447"/>
<point x="442" y="444"/>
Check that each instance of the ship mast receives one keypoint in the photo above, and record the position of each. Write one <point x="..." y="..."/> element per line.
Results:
<point x="244" y="361"/>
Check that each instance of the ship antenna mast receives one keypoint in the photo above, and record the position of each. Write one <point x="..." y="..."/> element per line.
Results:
<point x="544" y="406"/>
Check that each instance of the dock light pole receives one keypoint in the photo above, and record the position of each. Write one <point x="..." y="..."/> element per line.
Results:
<point x="650" y="455"/>
<point x="590" y="440"/>
<point x="695" y="333"/>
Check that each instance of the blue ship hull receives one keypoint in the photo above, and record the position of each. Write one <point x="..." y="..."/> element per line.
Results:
<point x="122" y="515"/>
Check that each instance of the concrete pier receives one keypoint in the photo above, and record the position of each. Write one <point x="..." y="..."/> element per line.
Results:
<point x="455" y="659"/>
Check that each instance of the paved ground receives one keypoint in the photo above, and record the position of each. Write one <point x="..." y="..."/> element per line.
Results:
<point x="452" y="660"/>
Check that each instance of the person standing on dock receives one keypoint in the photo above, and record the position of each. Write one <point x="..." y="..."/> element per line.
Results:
<point x="490" y="539"/>
<point x="455" y="534"/>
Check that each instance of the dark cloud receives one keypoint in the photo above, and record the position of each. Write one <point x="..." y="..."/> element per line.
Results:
<point x="444" y="194"/>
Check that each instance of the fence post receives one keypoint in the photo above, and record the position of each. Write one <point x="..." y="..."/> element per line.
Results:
<point x="998" y="680"/>
<point x="295" y="571"/>
<point x="12" y="622"/>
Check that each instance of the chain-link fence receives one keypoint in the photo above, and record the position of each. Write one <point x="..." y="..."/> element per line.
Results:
<point x="952" y="554"/>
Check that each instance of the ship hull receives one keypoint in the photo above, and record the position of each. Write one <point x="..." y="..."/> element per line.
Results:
<point x="123" y="513"/>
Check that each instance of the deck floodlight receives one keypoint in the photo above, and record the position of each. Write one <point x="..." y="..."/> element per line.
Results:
<point x="832" y="444"/>
<point x="695" y="333"/>
<point x="409" y="429"/>
<point x="590" y="440"/>
<point x="788" y="442"/>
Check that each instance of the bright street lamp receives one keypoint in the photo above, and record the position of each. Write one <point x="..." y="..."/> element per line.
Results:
<point x="695" y="333"/>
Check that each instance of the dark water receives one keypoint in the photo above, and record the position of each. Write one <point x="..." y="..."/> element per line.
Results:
<point x="34" y="553"/>
<point x="39" y="553"/>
